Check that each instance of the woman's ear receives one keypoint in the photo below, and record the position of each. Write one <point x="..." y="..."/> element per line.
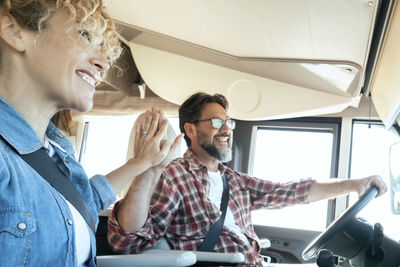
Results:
<point x="11" y="32"/>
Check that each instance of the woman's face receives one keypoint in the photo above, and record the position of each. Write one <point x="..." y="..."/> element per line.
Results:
<point x="61" y="67"/>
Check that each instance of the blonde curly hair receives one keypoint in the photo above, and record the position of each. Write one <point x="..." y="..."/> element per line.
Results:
<point x="34" y="15"/>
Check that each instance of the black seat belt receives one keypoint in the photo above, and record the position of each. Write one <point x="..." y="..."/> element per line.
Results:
<point x="41" y="162"/>
<point x="46" y="167"/>
<point x="213" y="234"/>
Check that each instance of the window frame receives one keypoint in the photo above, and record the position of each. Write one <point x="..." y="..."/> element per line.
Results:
<point x="246" y="132"/>
<point x="395" y="128"/>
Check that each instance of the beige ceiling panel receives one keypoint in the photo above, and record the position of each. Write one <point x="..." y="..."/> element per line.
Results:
<point x="175" y="77"/>
<point x="301" y="29"/>
<point x="272" y="59"/>
<point x="342" y="78"/>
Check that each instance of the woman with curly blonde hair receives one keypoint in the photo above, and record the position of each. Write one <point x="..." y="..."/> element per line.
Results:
<point x="52" y="55"/>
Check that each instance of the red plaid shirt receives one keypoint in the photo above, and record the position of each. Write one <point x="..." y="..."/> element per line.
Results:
<point x="181" y="212"/>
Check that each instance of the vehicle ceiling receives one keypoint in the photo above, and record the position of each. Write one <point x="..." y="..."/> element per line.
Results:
<point x="271" y="59"/>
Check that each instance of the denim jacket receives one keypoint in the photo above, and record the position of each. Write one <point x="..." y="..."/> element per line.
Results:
<point x="36" y="225"/>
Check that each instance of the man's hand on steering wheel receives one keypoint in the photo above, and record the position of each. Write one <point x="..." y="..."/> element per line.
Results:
<point x="326" y="239"/>
<point x="364" y="183"/>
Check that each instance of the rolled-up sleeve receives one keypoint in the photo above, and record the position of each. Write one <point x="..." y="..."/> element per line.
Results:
<point x="266" y="194"/>
<point x="124" y="242"/>
<point x="103" y="193"/>
<point x="165" y="201"/>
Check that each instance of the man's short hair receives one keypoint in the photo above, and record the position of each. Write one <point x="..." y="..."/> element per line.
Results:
<point x="191" y="109"/>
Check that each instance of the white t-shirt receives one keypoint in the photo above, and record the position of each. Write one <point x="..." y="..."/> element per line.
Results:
<point x="215" y="196"/>
<point x="82" y="235"/>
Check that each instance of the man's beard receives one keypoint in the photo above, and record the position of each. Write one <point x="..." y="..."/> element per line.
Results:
<point x="223" y="155"/>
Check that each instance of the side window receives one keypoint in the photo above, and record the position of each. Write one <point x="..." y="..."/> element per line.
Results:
<point x="291" y="152"/>
<point x="370" y="155"/>
<point x="107" y="142"/>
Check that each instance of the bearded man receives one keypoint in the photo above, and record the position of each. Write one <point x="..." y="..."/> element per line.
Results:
<point x="185" y="200"/>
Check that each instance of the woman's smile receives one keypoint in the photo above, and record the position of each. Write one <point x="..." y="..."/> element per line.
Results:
<point x="89" y="77"/>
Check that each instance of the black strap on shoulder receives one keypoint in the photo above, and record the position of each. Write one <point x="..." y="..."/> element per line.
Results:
<point x="213" y="234"/>
<point x="46" y="167"/>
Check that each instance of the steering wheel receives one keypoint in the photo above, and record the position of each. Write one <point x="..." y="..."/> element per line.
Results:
<point x="339" y="224"/>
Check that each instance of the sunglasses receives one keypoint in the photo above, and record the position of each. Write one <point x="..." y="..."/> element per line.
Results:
<point x="218" y="123"/>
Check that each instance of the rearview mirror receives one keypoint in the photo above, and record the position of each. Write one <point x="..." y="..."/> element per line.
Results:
<point x="394" y="161"/>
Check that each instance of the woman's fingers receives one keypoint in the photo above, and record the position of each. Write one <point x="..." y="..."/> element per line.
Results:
<point x="137" y="130"/>
<point x="152" y="130"/>
<point x="150" y="139"/>
<point x="162" y="131"/>
<point x="137" y="133"/>
<point x="147" y="122"/>
<point x="162" y="116"/>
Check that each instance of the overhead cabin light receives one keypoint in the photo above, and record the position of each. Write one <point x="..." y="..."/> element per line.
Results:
<point x="340" y="76"/>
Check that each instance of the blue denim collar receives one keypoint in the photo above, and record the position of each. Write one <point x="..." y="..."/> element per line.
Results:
<point x="18" y="133"/>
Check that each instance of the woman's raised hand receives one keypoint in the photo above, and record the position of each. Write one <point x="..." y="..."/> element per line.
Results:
<point x="149" y="148"/>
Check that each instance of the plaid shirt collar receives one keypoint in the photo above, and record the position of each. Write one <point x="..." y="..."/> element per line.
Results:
<point x="195" y="165"/>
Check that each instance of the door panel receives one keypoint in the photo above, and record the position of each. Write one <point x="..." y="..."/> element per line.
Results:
<point x="286" y="244"/>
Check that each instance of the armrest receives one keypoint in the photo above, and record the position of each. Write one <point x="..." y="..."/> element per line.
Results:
<point x="153" y="258"/>
<point x="170" y="258"/>
<point x="211" y="257"/>
<point x="214" y="258"/>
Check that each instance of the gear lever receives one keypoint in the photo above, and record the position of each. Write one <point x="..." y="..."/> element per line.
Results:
<point x="325" y="259"/>
<point x="375" y="255"/>
<point x="377" y="240"/>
